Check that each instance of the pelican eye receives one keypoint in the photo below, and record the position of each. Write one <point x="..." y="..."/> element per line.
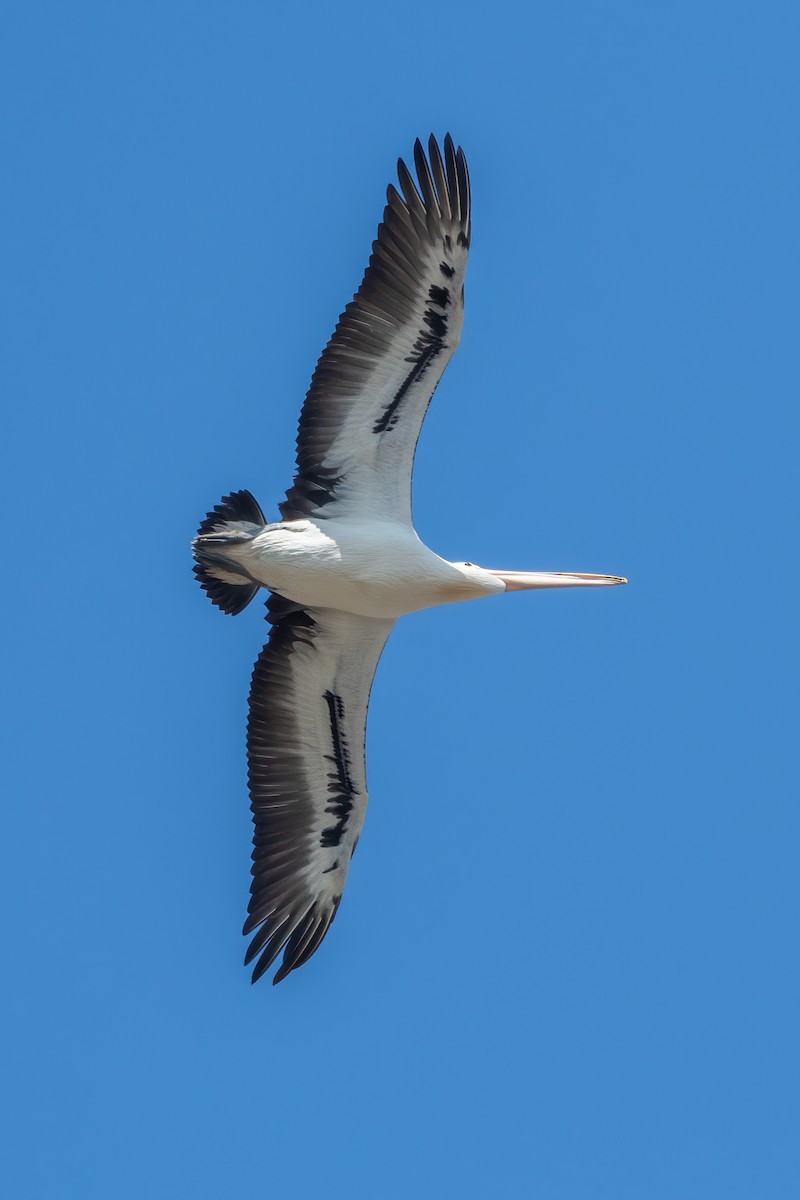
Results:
<point x="469" y="564"/>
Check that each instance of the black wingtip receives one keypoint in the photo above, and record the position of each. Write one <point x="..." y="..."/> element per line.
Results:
<point x="259" y="969"/>
<point x="281" y="973"/>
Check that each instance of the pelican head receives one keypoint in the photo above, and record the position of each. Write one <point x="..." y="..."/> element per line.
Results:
<point x="481" y="581"/>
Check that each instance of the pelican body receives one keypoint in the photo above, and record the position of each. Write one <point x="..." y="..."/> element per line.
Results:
<point x="374" y="568"/>
<point x="344" y="562"/>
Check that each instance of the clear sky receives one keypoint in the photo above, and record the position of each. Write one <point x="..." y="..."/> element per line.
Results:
<point x="565" y="965"/>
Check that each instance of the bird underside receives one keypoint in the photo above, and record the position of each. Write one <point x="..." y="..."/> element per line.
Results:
<point x="345" y="562"/>
<point x="331" y="608"/>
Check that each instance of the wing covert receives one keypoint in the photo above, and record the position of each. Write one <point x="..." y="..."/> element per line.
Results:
<point x="373" y="383"/>
<point x="308" y="793"/>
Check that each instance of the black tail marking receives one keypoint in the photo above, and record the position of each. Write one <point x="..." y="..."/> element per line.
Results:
<point x="237" y="518"/>
<point x="239" y="506"/>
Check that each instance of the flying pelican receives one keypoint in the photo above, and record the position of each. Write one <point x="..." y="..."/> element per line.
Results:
<point x="344" y="562"/>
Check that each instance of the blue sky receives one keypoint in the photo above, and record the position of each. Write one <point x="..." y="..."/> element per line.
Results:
<point x="566" y="960"/>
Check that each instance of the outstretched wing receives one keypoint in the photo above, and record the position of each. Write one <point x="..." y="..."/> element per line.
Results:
<point x="372" y="386"/>
<point x="308" y="790"/>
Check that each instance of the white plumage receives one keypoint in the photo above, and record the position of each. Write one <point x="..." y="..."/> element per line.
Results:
<point x="344" y="562"/>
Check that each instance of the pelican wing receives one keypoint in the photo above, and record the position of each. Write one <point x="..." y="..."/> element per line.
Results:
<point x="373" y="383"/>
<point x="308" y="791"/>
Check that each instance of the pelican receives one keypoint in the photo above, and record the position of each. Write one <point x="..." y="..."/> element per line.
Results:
<point x="344" y="562"/>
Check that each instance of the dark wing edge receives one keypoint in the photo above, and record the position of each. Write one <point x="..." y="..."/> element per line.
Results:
<point x="426" y="228"/>
<point x="305" y="743"/>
